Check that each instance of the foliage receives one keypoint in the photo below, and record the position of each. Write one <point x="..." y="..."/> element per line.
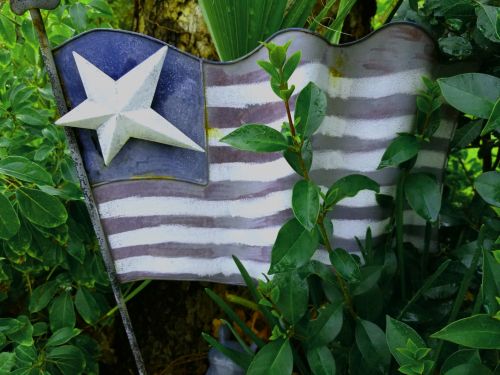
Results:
<point x="330" y="319"/>
<point x="255" y="21"/>
<point x="53" y="286"/>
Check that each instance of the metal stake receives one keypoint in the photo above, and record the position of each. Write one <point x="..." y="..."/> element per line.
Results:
<point x="19" y="7"/>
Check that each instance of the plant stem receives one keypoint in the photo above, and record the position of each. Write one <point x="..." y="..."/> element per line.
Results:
<point x="427" y="284"/>
<point x="290" y="121"/>
<point x="399" y="231"/>
<point x="464" y="286"/>
<point x="427" y="244"/>
<point x="242" y="301"/>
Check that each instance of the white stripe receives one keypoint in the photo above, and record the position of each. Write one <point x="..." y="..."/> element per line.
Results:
<point x="250" y="208"/>
<point x="188" y="265"/>
<point x="258" y="93"/>
<point x="348" y="229"/>
<point x="193" y="235"/>
<point x="366" y="161"/>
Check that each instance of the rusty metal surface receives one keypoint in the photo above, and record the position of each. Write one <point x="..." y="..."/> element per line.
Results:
<point x="21" y="6"/>
<point x="87" y="192"/>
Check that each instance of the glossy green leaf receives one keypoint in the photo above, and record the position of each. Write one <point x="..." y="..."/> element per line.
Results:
<point x="25" y="170"/>
<point x="24" y="335"/>
<point x="423" y="195"/>
<point x="62" y="312"/>
<point x="257" y="138"/>
<point x="25" y="355"/>
<point x="370" y="340"/>
<point x="269" y="69"/>
<point x="321" y="361"/>
<point x="493" y="123"/>
<point x="9" y="221"/>
<point x="326" y="326"/>
<point x="41" y="208"/>
<point x="62" y="336"/>
<point x="87" y="306"/>
<point x="294" y="246"/>
<point x="349" y="186"/>
<point x="7" y="31"/>
<point x="42" y="295"/>
<point x="311" y="109"/>
<point x="292" y="295"/>
<point x="401" y="149"/>
<point x="68" y="359"/>
<point x="491" y="282"/>
<point x="273" y="359"/>
<point x="305" y="203"/>
<point x="241" y="359"/>
<point x="472" y="93"/>
<point x="487" y="21"/>
<point x="479" y="331"/>
<point x="488" y="187"/>
<point x="397" y="335"/>
<point x="345" y="265"/>
<point x="290" y="65"/>
<point x="7" y="362"/>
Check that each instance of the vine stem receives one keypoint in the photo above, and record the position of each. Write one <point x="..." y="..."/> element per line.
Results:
<point x="399" y="232"/>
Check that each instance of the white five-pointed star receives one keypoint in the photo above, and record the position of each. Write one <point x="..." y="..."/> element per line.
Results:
<point x="120" y="110"/>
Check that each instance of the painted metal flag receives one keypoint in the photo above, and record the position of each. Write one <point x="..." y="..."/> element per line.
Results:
<point x="175" y="202"/>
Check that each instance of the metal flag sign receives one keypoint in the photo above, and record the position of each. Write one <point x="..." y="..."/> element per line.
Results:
<point x="168" y="200"/>
<point x="175" y="202"/>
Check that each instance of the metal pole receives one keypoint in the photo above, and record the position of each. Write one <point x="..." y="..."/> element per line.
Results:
<point x="62" y="108"/>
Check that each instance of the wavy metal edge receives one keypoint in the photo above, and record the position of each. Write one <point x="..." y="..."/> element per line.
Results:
<point x="259" y="47"/>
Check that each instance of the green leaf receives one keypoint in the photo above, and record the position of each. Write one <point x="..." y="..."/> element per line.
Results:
<point x="472" y="93"/>
<point x="87" y="306"/>
<point x="290" y="65"/>
<point x="273" y="359"/>
<point x="457" y="46"/>
<point x="479" y="331"/>
<point x="241" y="359"/>
<point x="42" y="295"/>
<point x="345" y="265"/>
<point x="293" y="248"/>
<point x="325" y="328"/>
<point x="7" y="361"/>
<point x="460" y="357"/>
<point x="62" y="336"/>
<point x="305" y="203"/>
<point x="269" y="69"/>
<point x="349" y="186"/>
<point x="62" y="312"/>
<point x="257" y="138"/>
<point x="68" y="359"/>
<point x="292" y="295"/>
<point x="311" y="109"/>
<point x="466" y="134"/>
<point x="488" y="187"/>
<point x="9" y="222"/>
<point x="25" y="355"/>
<point x="25" y="170"/>
<point x="41" y="208"/>
<point x="8" y="31"/>
<point x="423" y="195"/>
<point x="370" y="340"/>
<point x="468" y="369"/>
<point x="76" y="249"/>
<point x="277" y="56"/>
<point x="493" y="123"/>
<point x="23" y="336"/>
<point x="397" y="335"/>
<point x="487" y="21"/>
<point x="321" y="361"/>
<point x="491" y="282"/>
<point x="401" y="149"/>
